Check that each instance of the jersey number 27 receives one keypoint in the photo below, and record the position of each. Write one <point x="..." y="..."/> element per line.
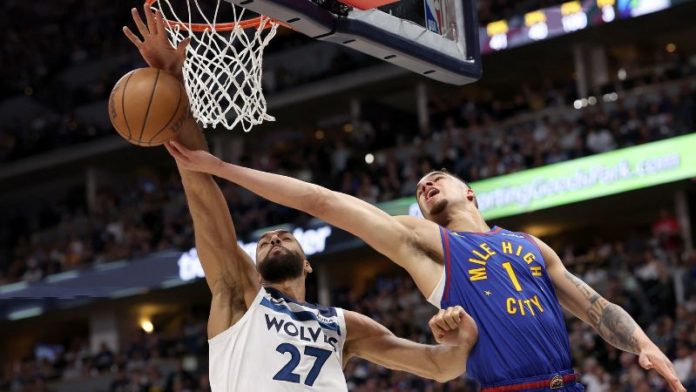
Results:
<point x="286" y="373"/>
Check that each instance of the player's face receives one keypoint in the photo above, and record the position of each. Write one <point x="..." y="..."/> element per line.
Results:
<point x="279" y="257"/>
<point x="437" y="191"/>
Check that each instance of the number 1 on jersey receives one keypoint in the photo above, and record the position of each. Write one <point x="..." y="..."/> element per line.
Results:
<point x="511" y="274"/>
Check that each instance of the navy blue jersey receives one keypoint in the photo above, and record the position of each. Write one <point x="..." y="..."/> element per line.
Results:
<point x="500" y="279"/>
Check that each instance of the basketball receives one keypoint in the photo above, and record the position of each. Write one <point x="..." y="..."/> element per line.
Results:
<point x="148" y="106"/>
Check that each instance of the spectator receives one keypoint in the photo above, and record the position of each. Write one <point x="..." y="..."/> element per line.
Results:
<point x="600" y="140"/>
<point x="180" y="380"/>
<point x="684" y="362"/>
<point x="104" y="359"/>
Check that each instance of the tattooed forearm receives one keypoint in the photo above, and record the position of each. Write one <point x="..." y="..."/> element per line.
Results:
<point x="612" y="322"/>
<point x="618" y="328"/>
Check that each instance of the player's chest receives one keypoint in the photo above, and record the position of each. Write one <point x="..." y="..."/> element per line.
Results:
<point x="299" y="331"/>
<point x="503" y="274"/>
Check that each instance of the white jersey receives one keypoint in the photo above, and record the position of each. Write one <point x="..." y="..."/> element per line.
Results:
<point x="280" y="345"/>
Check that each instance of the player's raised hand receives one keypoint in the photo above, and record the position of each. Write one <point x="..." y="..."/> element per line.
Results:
<point x="454" y="327"/>
<point x="154" y="46"/>
<point x="653" y="358"/>
<point x="198" y="160"/>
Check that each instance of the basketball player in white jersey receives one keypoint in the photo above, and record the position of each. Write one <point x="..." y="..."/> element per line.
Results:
<point x="263" y="336"/>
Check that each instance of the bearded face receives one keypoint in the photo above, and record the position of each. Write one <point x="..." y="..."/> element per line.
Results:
<point x="279" y="257"/>
<point x="281" y="264"/>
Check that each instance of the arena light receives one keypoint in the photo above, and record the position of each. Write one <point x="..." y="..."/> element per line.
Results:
<point x="59" y="277"/>
<point x="147" y="326"/>
<point x="8" y="288"/>
<point x="25" y="313"/>
<point x="622" y="75"/>
<point x="566" y="18"/>
<point x="369" y="158"/>
<point x="637" y="8"/>
<point x="128" y="292"/>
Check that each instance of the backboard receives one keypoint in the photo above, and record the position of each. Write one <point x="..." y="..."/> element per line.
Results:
<point x="435" y="38"/>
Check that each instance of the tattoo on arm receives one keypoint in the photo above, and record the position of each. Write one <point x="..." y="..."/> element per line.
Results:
<point x="613" y="323"/>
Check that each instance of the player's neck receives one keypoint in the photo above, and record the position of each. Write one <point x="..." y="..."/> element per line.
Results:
<point x="466" y="220"/>
<point x="293" y="288"/>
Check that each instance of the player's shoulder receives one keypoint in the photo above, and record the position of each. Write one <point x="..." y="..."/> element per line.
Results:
<point x="503" y="232"/>
<point x="419" y="227"/>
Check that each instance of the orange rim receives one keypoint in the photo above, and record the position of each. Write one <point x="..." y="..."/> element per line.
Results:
<point x="229" y="26"/>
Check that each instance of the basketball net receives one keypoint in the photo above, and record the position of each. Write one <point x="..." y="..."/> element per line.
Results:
<point x="224" y="64"/>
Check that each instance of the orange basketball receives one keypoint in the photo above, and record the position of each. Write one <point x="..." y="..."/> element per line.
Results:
<point x="148" y="106"/>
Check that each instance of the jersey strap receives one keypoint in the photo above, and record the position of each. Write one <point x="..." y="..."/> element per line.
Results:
<point x="448" y="262"/>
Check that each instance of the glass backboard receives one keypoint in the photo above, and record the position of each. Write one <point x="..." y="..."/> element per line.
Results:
<point x="435" y="38"/>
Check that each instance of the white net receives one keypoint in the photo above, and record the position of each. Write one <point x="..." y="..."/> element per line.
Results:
<point x="223" y="69"/>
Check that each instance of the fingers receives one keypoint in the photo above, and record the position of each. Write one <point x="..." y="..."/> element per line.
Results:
<point x="174" y="151"/>
<point x="448" y="319"/>
<point x="437" y="331"/>
<point x="139" y="23"/>
<point x="452" y="317"/>
<point x="665" y="369"/>
<point x="183" y="45"/>
<point x="132" y="37"/>
<point x="677" y="386"/>
<point x="151" y="25"/>
<point x="442" y="324"/>
<point x="170" y="149"/>
<point x="670" y="374"/>
<point x="181" y="150"/>
<point x="159" y="23"/>
<point x="459" y="314"/>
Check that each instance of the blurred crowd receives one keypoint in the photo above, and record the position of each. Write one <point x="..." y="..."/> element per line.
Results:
<point x="39" y="92"/>
<point x="157" y="362"/>
<point x="646" y="272"/>
<point x="378" y="159"/>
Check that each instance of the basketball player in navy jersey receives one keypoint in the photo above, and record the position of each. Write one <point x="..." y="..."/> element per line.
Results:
<point x="263" y="336"/>
<point x="512" y="284"/>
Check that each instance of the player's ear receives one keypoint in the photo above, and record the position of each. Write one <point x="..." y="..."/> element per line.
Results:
<point x="307" y="267"/>
<point x="470" y="194"/>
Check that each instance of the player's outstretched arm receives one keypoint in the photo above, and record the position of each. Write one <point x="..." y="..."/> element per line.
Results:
<point x="229" y="271"/>
<point x="610" y="321"/>
<point x="453" y="328"/>
<point x="410" y="242"/>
